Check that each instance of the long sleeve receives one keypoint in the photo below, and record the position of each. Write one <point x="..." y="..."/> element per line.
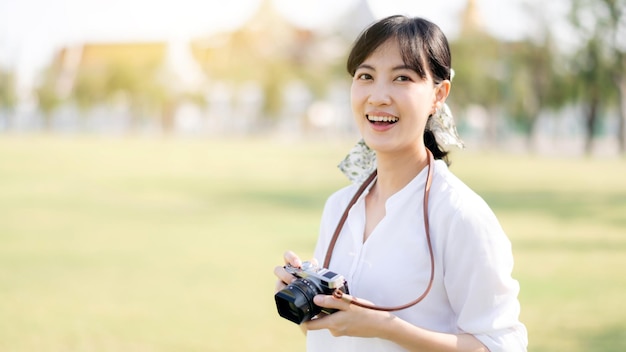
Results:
<point x="478" y="263"/>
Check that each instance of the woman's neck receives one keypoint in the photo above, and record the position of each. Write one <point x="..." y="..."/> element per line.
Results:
<point x="396" y="170"/>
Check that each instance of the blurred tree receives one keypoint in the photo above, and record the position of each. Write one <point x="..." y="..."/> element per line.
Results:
<point x="139" y="87"/>
<point x="528" y="75"/>
<point x="131" y="76"/>
<point x="88" y="91"/>
<point x="47" y="97"/>
<point x="272" y="52"/>
<point x="8" y="93"/>
<point x="480" y="69"/>
<point x="248" y="55"/>
<point x="617" y="32"/>
<point x="595" y="88"/>
<point x="537" y="81"/>
<point x="599" y="61"/>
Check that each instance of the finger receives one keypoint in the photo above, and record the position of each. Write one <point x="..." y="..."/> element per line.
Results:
<point x="279" y="286"/>
<point x="283" y="275"/>
<point x="330" y="301"/>
<point x="293" y="259"/>
<point x="318" y="323"/>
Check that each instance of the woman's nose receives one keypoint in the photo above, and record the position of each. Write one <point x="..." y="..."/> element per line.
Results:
<point x="379" y="95"/>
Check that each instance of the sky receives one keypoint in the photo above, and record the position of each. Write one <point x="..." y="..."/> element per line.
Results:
<point x="32" y="30"/>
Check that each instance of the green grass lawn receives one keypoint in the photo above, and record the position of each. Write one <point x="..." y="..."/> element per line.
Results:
<point x="169" y="245"/>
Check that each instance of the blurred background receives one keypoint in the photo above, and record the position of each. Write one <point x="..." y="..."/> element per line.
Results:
<point x="158" y="157"/>
<point x="531" y="75"/>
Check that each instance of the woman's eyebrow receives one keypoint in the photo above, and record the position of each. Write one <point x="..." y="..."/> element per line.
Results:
<point x="401" y="67"/>
<point x="395" y="68"/>
<point x="366" y="66"/>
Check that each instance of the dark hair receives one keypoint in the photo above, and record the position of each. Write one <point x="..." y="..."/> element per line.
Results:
<point x="423" y="46"/>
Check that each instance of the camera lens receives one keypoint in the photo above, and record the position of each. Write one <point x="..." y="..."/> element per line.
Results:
<point x="295" y="302"/>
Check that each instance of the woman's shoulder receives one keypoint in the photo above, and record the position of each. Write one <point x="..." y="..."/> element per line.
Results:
<point x="341" y="197"/>
<point x="451" y="193"/>
<point x="455" y="209"/>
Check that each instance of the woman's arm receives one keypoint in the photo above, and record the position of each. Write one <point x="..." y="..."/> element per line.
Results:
<point x="352" y="320"/>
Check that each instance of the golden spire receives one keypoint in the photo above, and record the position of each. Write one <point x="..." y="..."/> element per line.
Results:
<point x="471" y="20"/>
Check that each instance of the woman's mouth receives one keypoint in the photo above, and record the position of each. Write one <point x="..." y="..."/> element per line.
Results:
<point x="382" y="120"/>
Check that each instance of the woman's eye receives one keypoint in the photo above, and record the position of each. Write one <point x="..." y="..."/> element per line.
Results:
<point x="403" y="78"/>
<point x="364" y="76"/>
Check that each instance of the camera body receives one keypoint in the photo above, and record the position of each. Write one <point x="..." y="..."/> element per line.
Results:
<point x="295" y="302"/>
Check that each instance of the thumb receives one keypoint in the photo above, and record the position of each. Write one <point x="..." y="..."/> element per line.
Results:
<point x="330" y="301"/>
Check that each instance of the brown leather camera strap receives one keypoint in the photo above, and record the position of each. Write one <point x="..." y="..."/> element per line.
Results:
<point x="342" y="220"/>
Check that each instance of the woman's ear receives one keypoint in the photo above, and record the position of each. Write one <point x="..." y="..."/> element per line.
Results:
<point x="441" y="92"/>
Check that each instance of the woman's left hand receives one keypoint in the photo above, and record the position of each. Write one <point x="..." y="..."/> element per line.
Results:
<point x="350" y="320"/>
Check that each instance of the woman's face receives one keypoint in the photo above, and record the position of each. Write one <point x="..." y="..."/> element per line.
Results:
<point x="391" y="102"/>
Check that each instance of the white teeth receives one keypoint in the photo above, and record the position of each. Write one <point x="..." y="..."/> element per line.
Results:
<point x="374" y="118"/>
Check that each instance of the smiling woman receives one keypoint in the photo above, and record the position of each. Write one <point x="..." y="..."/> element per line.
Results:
<point x="411" y="226"/>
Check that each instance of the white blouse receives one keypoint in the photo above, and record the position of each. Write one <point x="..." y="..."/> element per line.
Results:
<point x="473" y="291"/>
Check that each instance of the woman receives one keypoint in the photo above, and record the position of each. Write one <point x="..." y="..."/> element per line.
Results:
<point x="391" y="246"/>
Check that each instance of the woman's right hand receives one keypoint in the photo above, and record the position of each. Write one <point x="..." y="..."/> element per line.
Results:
<point x="285" y="278"/>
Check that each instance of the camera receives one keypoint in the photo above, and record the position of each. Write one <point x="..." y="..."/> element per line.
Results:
<point x="295" y="302"/>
